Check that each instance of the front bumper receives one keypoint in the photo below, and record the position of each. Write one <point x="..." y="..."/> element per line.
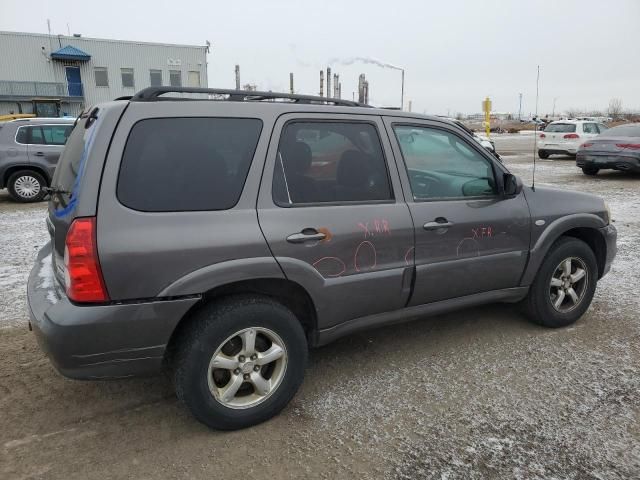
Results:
<point x="614" y="162"/>
<point x="99" y="341"/>
<point x="610" y="235"/>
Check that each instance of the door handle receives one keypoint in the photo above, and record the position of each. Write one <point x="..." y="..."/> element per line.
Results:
<point x="306" y="235"/>
<point x="39" y="154"/>
<point x="438" y="224"/>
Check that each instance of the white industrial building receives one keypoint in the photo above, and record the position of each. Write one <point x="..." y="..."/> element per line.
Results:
<point x="55" y="75"/>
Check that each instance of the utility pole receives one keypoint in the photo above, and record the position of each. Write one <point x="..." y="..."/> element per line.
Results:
<point x="402" y="92"/>
<point x="520" y="109"/>
<point x="291" y="83"/>
<point x="553" y="112"/>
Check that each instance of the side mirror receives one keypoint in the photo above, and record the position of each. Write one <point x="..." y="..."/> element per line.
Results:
<point x="512" y="184"/>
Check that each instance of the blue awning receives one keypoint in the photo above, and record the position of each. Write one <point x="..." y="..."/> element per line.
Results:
<point x="70" y="53"/>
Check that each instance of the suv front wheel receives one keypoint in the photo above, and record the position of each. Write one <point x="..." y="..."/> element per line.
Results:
<point x="564" y="286"/>
<point x="26" y="186"/>
<point x="241" y="362"/>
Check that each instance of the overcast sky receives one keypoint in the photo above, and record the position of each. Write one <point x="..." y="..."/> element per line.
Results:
<point x="454" y="52"/>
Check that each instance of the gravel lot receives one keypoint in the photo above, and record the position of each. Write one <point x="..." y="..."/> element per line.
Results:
<point x="477" y="394"/>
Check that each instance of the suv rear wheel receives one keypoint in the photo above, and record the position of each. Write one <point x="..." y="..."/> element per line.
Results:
<point x="241" y="362"/>
<point x="564" y="286"/>
<point x="543" y="154"/>
<point x="26" y="186"/>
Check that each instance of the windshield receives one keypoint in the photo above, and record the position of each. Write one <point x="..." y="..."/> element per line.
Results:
<point x="561" y="127"/>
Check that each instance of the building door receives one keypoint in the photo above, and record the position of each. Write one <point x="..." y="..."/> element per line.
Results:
<point x="194" y="79"/>
<point x="333" y="214"/>
<point x="74" y="83"/>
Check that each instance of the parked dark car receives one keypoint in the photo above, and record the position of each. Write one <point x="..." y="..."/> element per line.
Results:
<point x="29" y="152"/>
<point x="618" y="148"/>
<point x="209" y="238"/>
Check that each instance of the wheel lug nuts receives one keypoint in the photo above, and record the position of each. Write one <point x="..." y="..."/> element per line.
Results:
<point x="241" y="358"/>
<point x="246" y="376"/>
<point x="236" y="371"/>
<point x="256" y="368"/>
<point x="254" y="356"/>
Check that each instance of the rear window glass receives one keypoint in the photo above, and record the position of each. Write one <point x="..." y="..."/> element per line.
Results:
<point x="69" y="164"/>
<point x="187" y="164"/>
<point x="561" y="127"/>
<point x="624" y="131"/>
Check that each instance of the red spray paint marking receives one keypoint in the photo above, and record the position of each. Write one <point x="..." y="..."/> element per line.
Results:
<point x="406" y="256"/>
<point x="380" y="225"/>
<point x="339" y="266"/>
<point x="373" y="250"/>
<point x="482" y="232"/>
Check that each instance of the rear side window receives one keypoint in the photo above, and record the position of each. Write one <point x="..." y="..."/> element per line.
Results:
<point x="330" y="162"/>
<point x="589" y="128"/>
<point x="187" y="164"/>
<point x="22" y="136"/>
<point x="70" y="162"/>
<point x="561" y="128"/>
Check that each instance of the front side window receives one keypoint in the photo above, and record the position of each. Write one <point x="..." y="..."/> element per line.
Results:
<point x="127" y="77"/>
<point x="441" y="165"/>
<point x="175" y="78"/>
<point x="155" y="78"/>
<point x="330" y="162"/>
<point x="102" y="79"/>
<point x="187" y="164"/>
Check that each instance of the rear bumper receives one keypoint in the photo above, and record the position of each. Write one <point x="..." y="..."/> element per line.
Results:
<point x="610" y="235"/>
<point x="99" y="341"/>
<point x="614" y="162"/>
<point x="559" y="148"/>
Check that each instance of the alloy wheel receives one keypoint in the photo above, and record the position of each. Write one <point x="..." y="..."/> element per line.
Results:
<point x="247" y="368"/>
<point x="568" y="284"/>
<point x="27" y="186"/>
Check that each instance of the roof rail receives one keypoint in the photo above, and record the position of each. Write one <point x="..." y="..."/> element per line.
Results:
<point x="153" y="94"/>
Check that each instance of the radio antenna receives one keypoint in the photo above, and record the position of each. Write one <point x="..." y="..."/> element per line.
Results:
<point x="535" y="135"/>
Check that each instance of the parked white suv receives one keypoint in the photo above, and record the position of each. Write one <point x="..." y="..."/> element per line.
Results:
<point x="565" y="136"/>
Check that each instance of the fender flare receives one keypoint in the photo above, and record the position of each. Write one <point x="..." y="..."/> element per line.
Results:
<point x="550" y="234"/>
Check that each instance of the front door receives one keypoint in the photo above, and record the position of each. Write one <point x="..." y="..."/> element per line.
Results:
<point x="74" y="82"/>
<point x="333" y="214"/>
<point x="469" y="237"/>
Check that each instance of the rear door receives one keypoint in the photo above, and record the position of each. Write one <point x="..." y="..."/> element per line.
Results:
<point x="469" y="238"/>
<point x="332" y="211"/>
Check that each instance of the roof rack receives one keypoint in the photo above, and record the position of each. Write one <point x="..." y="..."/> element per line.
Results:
<point x="153" y="94"/>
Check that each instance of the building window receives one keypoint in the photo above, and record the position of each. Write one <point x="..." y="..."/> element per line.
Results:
<point x="127" y="77"/>
<point x="102" y="80"/>
<point x="194" y="79"/>
<point x="175" y="78"/>
<point x="155" y="78"/>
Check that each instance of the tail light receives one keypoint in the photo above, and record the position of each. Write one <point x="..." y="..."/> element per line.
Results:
<point x="83" y="279"/>
<point x="632" y="146"/>
<point x="571" y="135"/>
<point x="586" y="145"/>
<point x="542" y="135"/>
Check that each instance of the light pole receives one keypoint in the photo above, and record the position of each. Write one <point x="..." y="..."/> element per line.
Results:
<point x="553" y="112"/>
<point x="402" y="91"/>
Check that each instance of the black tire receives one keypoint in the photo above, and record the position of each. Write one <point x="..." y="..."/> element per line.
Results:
<point x="543" y="154"/>
<point x="590" y="170"/>
<point x="208" y="330"/>
<point x="34" y="178"/>
<point x="537" y="304"/>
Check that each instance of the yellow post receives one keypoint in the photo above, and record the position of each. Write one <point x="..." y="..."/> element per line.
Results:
<point x="486" y="108"/>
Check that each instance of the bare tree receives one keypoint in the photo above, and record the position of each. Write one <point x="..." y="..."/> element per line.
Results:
<point x="615" y="107"/>
<point x="572" y="112"/>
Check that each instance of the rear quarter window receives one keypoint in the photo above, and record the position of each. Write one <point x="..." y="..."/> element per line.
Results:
<point x="187" y="164"/>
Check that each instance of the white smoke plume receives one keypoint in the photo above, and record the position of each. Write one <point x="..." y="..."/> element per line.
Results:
<point x="367" y="60"/>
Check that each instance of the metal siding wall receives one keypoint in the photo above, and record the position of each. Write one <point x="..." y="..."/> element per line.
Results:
<point x="22" y="59"/>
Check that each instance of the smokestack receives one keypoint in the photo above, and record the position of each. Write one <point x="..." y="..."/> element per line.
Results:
<point x="340" y="90"/>
<point x="366" y="92"/>
<point x="321" y="83"/>
<point x="409" y="105"/>
<point x="237" y="77"/>
<point x="361" y="81"/>
<point x="291" y="83"/>
<point x="336" y="81"/>
<point x="329" y="82"/>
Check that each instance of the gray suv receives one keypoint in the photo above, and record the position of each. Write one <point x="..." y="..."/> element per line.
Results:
<point x="29" y="152"/>
<point x="219" y="238"/>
